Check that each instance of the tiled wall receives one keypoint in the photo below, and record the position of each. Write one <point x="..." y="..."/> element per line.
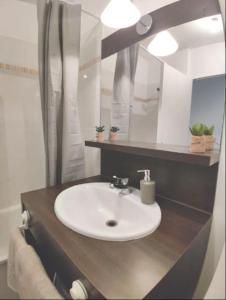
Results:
<point x="21" y="138"/>
<point x="89" y="89"/>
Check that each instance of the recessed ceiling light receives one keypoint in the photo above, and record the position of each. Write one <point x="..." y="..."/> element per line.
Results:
<point x="85" y="76"/>
<point x="212" y="24"/>
<point x="120" y="14"/>
<point x="163" y="44"/>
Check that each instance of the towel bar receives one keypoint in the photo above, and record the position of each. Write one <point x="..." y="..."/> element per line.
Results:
<point x="78" y="291"/>
<point x="25" y="220"/>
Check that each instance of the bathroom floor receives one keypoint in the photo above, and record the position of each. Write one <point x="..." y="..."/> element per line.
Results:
<point x="5" y="292"/>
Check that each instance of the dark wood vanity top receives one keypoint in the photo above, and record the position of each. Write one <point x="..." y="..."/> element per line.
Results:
<point x="161" y="151"/>
<point x="122" y="270"/>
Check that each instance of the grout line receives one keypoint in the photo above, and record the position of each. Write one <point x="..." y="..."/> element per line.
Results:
<point x="90" y="63"/>
<point x="18" y="69"/>
<point x="33" y="72"/>
<point x="109" y="93"/>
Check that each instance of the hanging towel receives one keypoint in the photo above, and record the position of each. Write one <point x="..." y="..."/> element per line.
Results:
<point x="26" y="274"/>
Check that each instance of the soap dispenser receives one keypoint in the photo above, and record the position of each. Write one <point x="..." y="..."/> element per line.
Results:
<point x="147" y="188"/>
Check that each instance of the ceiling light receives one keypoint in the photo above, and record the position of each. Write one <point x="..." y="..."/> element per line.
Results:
<point x="85" y="76"/>
<point x="163" y="44"/>
<point x="120" y="14"/>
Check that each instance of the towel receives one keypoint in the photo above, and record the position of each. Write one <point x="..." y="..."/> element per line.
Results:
<point x="26" y="274"/>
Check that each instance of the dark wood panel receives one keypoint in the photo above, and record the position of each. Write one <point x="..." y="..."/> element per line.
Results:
<point x="173" y="285"/>
<point x="166" y="17"/>
<point x="161" y="151"/>
<point x="189" y="184"/>
<point x="52" y="254"/>
<point x="126" y="270"/>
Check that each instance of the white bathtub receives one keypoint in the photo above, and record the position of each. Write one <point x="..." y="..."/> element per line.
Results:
<point x="10" y="218"/>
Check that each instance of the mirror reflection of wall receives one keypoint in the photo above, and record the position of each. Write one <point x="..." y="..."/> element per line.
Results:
<point x="200" y="54"/>
<point x="144" y="108"/>
<point x="165" y="102"/>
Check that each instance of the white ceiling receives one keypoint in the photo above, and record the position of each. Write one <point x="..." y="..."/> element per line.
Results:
<point x="18" y="19"/>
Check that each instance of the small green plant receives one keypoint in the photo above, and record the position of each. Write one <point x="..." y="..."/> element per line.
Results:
<point x="114" y="129"/>
<point x="100" y="128"/>
<point x="197" y="129"/>
<point x="209" y="130"/>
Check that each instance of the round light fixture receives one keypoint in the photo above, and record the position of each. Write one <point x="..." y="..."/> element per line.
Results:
<point x="164" y="44"/>
<point x="120" y="14"/>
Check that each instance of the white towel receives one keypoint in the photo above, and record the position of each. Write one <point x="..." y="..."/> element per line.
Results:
<point x="26" y="274"/>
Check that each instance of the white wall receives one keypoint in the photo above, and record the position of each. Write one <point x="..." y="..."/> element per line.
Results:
<point x="217" y="287"/>
<point x="18" y="20"/>
<point x="174" y="108"/>
<point x="217" y="235"/>
<point x="199" y="62"/>
<point x="207" y="60"/>
<point x="22" y="159"/>
<point x="180" y="60"/>
<point x="89" y="89"/>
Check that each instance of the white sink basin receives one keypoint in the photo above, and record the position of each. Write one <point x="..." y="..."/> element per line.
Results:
<point x="96" y="211"/>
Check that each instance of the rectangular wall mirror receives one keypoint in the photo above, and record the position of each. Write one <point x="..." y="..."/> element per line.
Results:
<point x="155" y="99"/>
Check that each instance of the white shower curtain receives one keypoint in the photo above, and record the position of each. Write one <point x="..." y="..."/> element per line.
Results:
<point x="123" y="90"/>
<point x="59" y="51"/>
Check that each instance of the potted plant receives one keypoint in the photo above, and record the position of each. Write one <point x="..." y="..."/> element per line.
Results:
<point x="100" y="133"/>
<point x="209" y="137"/>
<point x="114" y="133"/>
<point x="198" y="141"/>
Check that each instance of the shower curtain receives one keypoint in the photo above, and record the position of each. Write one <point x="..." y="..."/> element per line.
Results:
<point x="59" y="26"/>
<point x="123" y="89"/>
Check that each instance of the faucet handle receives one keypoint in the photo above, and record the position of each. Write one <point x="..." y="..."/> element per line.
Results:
<point x="120" y="182"/>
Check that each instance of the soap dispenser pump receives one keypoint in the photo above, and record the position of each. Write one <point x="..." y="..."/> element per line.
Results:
<point x="147" y="188"/>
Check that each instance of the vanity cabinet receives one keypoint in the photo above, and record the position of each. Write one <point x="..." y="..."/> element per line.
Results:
<point x="163" y="265"/>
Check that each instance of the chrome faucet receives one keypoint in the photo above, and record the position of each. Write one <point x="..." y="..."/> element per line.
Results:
<point x="119" y="183"/>
<point x="122" y="184"/>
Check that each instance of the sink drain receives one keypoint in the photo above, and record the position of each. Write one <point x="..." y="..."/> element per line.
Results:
<point x="111" y="223"/>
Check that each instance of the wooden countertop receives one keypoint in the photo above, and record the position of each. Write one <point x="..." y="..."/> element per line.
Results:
<point x="120" y="270"/>
<point x="160" y="151"/>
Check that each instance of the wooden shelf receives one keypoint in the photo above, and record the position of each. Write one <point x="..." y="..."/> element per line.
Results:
<point x="159" y="151"/>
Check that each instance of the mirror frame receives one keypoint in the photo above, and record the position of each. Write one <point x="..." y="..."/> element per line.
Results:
<point x="172" y="15"/>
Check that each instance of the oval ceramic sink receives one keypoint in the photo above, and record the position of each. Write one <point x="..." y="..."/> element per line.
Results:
<point x="96" y="211"/>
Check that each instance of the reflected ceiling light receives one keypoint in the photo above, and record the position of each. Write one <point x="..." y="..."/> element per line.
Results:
<point x="120" y="14"/>
<point x="212" y="24"/>
<point x="163" y="44"/>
